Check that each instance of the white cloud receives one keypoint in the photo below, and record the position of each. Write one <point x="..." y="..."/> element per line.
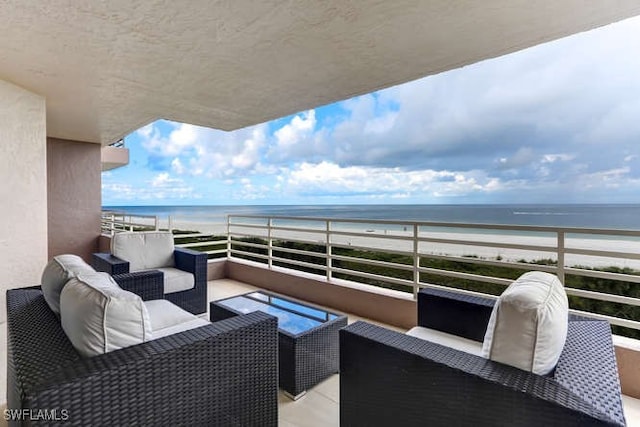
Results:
<point x="331" y="179"/>
<point x="206" y="152"/>
<point x="146" y="131"/>
<point x="552" y="158"/>
<point x="295" y="132"/>
<point x="177" y="166"/>
<point x="159" y="188"/>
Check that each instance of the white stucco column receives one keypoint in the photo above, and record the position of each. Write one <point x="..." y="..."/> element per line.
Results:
<point x="23" y="189"/>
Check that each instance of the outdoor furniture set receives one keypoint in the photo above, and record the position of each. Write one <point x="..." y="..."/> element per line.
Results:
<point x="116" y="348"/>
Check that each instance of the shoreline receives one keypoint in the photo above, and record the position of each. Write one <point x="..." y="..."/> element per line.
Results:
<point x="474" y="246"/>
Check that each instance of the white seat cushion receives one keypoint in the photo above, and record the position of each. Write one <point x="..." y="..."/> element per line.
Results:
<point x="181" y="327"/>
<point x="448" y="340"/>
<point x="98" y="316"/>
<point x="145" y="250"/>
<point x="176" y="280"/>
<point x="57" y="273"/>
<point x="528" y="325"/>
<point x="167" y="318"/>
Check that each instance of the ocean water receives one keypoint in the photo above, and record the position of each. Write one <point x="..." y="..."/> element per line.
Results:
<point x="614" y="216"/>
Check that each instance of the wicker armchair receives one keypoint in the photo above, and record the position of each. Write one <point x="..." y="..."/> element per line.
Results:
<point x="193" y="300"/>
<point x="389" y="378"/>
<point x="222" y="374"/>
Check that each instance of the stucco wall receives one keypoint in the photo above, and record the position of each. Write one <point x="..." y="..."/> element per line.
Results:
<point x="383" y="305"/>
<point x="23" y="189"/>
<point x="74" y="197"/>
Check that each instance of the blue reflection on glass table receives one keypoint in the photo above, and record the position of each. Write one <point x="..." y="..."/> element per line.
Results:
<point x="292" y="317"/>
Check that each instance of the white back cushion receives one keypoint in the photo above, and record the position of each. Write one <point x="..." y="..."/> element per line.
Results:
<point x="528" y="326"/>
<point x="98" y="316"/>
<point x="144" y="250"/>
<point x="56" y="274"/>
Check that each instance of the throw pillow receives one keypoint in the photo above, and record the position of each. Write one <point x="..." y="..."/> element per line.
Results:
<point x="56" y="274"/>
<point x="528" y="326"/>
<point x="98" y="316"/>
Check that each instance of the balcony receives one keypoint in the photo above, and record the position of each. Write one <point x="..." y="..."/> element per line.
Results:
<point x="334" y="262"/>
<point x="114" y="156"/>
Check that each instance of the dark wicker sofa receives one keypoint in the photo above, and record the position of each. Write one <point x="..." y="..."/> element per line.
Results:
<point x="388" y="378"/>
<point x="193" y="300"/>
<point x="223" y="374"/>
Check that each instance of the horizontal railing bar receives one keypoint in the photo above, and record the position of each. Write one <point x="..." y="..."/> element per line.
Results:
<point x="371" y="235"/>
<point x="262" y="227"/>
<point x="370" y="249"/>
<point x="236" y="234"/>
<point x="471" y="260"/>
<point x="466" y="276"/>
<point x="106" y="214"/>
<point x="298" y="252"/>
<point x="303" y="241"/>
<point x="194" y="235"/>
<point x="632" y="278"/>
<point x="298" y="229"/>
<point x="248" y="244"/>
<point x="537" y="248"/>
<point x="626" y="323"/>
<point x="137" y="224"/>
<point x="128" y="223"/>
<point x="215" y="251"/>
<point x="602" y="296"/>
<point x="406" y="267"/>
<point x="456" y="290"/>
<point x="373" y="276"/>
<point x="200" y="244"/>
<point x="299" y="263"/>
<point x="598" y="253"/>
<point x="250" y="254"/>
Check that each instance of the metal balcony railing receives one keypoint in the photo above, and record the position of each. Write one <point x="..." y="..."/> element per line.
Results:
<point x="596" y="265"/>
<point x="114" y="222"/>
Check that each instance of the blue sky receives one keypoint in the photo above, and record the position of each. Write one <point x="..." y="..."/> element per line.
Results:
<point x="556" y="123"/>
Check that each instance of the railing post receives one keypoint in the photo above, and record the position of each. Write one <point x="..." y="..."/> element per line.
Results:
<point x="328" y="246"/>
<point x="156" y="223"/>
<point x="561" y="248"/>
<point x="113" y="224"/>
<point x="170" y="224"/>
<point x="269" y="244"/>
<point x="416" y="263"/>
<point x="228" y="236"/>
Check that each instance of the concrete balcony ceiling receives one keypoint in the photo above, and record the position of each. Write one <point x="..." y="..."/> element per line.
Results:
<point x="108" y="68"/>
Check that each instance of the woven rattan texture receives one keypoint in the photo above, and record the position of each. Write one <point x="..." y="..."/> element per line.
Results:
<point x="309" y="358"/>
<point x="193" y="300"/>
<point x="454" y="313"/>
<point x="585" y="369"/>
<point x="109" y="264"/>
<point x="147" y="284"/>
<point x="223" y="374"/>
<point x="388" y="378"/>
<point x="304" y="359"/>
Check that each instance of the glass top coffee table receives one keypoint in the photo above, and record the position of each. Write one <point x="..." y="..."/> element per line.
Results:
<point x="308" y="341"/>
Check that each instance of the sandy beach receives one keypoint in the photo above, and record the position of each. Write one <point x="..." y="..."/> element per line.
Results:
<point x="477" y="242"/>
